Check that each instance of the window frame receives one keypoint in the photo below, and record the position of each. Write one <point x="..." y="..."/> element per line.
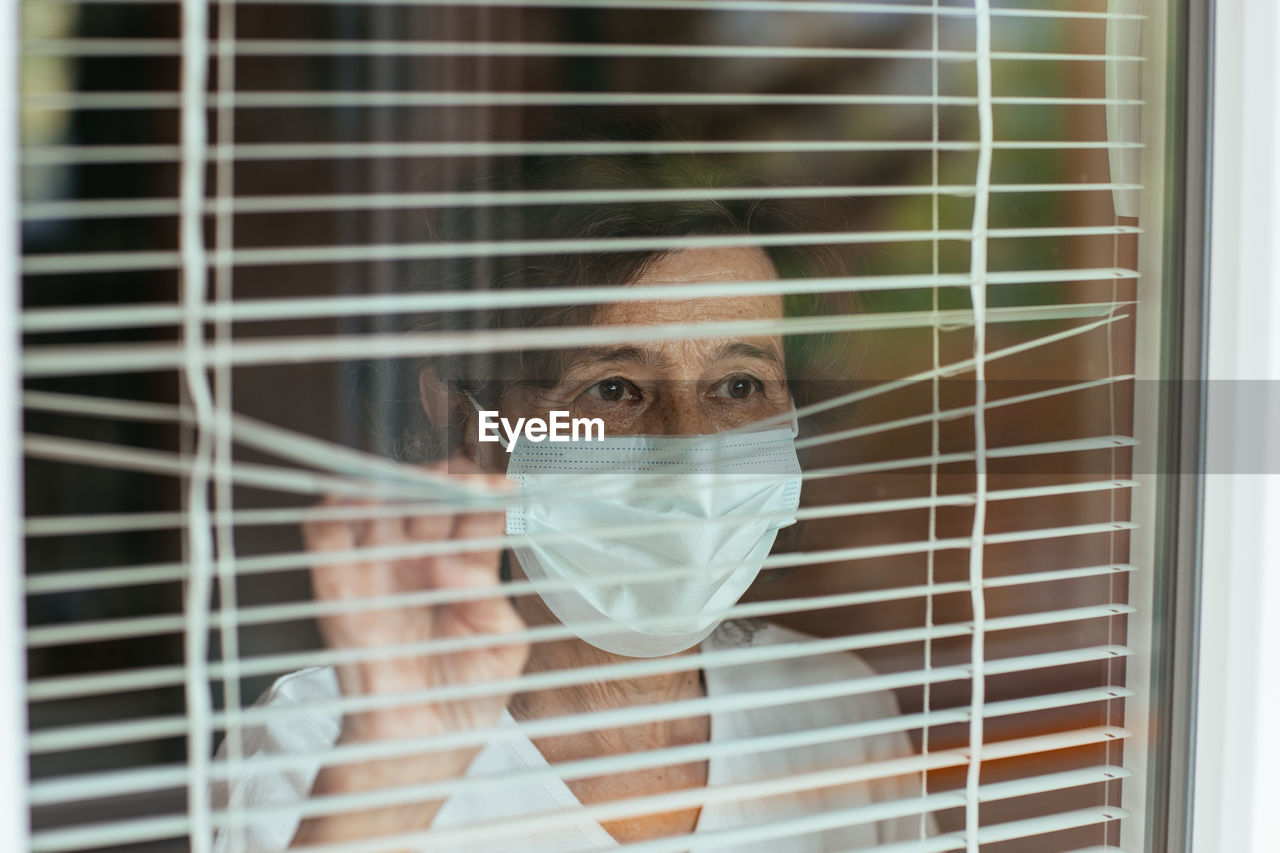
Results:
<point x="14" y="813"/>
<point x="1169" y="356"/>
<point x="1236" y="745"/>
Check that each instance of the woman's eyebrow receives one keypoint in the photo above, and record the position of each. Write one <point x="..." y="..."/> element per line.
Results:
<point x="593" y="355"/>
<point x="742" y="349"/>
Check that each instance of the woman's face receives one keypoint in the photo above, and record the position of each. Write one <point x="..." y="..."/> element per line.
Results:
<point x="677" y="387"/>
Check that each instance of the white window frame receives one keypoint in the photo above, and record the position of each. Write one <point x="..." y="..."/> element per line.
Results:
<point x="1236" y="784"/>
<point x="13" y="669"/>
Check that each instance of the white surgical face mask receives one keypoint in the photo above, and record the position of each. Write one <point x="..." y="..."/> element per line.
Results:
<point x="704" y="510"/>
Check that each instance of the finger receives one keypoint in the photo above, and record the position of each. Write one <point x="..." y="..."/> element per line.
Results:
<point x="468" y="471"/>
<point x="494" y="613"/>
<point x="381" y="532"/>
<point x="478" y="565"/>
<point x="378" y="574"/>
<point x="321" y="535"/>
<point x="438" y="526"/>
<point x="330" y="534"/>
<point x="430" y="528"/>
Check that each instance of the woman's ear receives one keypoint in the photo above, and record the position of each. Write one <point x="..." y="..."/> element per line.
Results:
<point x="434" y="395"/>
<point x="446" y="418"/>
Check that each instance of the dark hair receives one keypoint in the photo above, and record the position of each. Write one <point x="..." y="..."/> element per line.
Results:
<point x="617" y="216"/>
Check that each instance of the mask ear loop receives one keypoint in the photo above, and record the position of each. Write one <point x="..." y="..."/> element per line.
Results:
<point x="502" y="441"/>
<point x="788" y="419"/>
<point x="792" y="421"/>
<point x="513" y="510"/>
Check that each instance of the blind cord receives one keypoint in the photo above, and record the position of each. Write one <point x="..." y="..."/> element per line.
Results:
<point x="199" y="542"/>
<point x="934" y="425"/>
<point x="224" y="242"/>
<point x="978" y="290"/>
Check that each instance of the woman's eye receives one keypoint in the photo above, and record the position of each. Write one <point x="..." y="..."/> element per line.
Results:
<point x="738" y="387"/>
<point x="612" y="390"/>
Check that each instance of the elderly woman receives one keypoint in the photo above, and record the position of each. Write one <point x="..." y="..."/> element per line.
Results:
<point x="698" y="459"/>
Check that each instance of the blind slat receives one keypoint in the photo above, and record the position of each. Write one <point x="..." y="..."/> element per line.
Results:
<point x="39" y="320"/>
<point x="53" y="360"/>
<point x="261" y="204"/>
<point x="1013" y="830"/>
<point x="98" y="523"/>
<point x="90" y="154"/>
<point x="101" y="262"/>
<point x="372" y="100"/>
<point x="840" y="7"/>
<point x="283" y="47"/>
<point x="108" y="47"/>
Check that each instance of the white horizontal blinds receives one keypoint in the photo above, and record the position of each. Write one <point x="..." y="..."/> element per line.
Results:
<point x="152" y="779"/>
<point x="961" y="535"/>
<point x="782" y="829"/>
<point x="155" y="778"/>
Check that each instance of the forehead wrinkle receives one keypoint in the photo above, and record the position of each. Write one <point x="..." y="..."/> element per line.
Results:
<point x="742" y="349"/>
<point x="638" y="355"/>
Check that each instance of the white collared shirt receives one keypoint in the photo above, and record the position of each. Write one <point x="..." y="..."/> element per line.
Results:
<point x="576" y="832"/>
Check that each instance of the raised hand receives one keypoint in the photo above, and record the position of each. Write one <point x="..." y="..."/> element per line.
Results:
<point x="412" y="624"/>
